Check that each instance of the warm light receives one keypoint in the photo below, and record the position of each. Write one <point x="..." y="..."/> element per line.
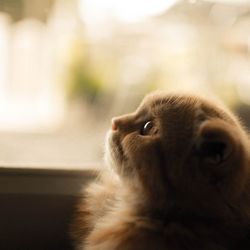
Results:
<point x="4" y="52"/>
<point x="29" y="97"/>
<point x="236" y="2"/>
<point x="132" y="10"/>
<point x="127" y="11"/>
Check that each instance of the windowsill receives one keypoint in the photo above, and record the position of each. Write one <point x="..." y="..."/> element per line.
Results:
<point x="44" y="180"/>
<point x="53" y="167"/>
<point x="72" y="148"/>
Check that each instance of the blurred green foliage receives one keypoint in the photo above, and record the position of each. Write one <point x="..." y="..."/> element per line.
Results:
<point x="83" y="81"/>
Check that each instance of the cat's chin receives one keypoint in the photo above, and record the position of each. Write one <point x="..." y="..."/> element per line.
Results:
<point x="113" y="151"/>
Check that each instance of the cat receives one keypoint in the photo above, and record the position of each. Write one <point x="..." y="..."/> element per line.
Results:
<point x="177" y="178"/>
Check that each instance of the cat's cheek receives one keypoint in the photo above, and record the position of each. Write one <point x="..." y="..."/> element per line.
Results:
<point x="139" y="150"/>
<point x="132" y="144"/>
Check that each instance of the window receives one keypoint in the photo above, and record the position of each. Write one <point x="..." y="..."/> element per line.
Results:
<point x="68" y="66"/>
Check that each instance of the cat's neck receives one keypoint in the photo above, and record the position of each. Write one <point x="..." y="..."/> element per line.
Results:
<point x="136" y="202"/>
<point x="133" y="197"/>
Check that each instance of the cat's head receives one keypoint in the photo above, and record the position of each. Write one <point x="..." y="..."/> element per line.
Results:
<point x="179" y="145"/>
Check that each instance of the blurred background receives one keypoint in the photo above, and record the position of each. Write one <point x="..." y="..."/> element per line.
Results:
<point x="68" y="66"/>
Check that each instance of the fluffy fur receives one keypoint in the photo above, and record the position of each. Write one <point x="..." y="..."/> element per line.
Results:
<point x="180" y="183"/>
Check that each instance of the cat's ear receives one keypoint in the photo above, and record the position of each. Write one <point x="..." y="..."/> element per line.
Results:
<point x="216" y="142"/>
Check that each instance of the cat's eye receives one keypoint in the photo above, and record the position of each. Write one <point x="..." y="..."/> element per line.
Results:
<point x="147" y="128"/>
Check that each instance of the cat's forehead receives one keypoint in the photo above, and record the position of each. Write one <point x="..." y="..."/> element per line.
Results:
<point x="162" y="100"/>
<point x="185" y="104"/>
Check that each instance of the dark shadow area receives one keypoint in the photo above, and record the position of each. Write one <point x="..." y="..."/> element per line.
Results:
<point x="34" y="222"/>
<point x="37" y="207"/>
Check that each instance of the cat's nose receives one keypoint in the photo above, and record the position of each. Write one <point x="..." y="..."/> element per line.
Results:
<point x="114" y="125"/>
<point x="122" y="123"/>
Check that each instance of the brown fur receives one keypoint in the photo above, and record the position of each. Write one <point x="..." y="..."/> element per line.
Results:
<point x="185" y="185"/>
